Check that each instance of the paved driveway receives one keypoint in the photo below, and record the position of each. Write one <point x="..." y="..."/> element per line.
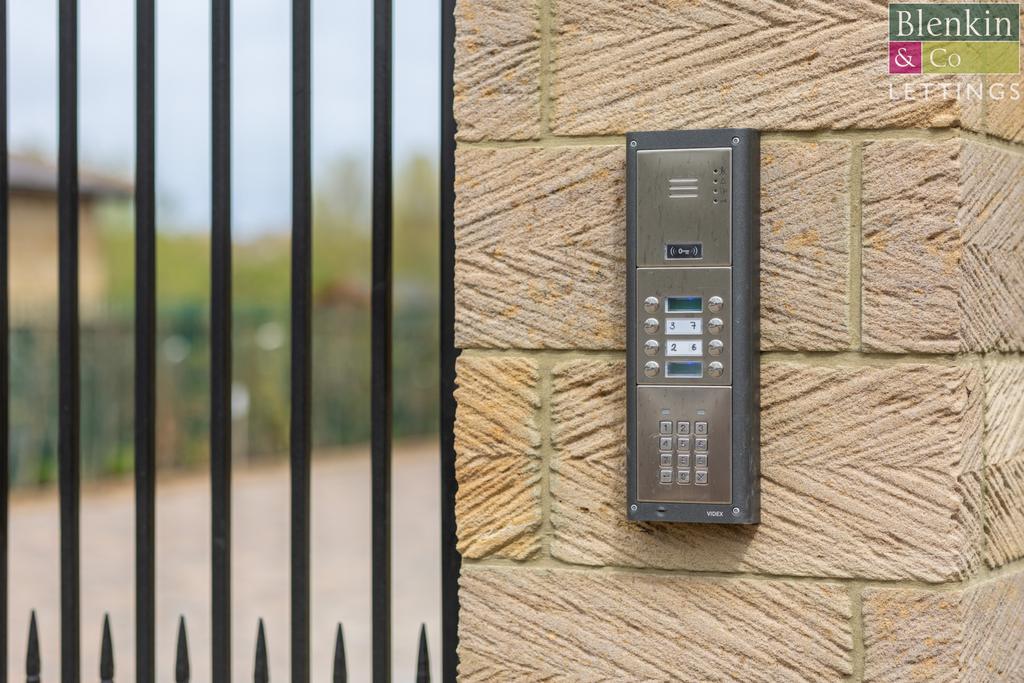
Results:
<point x="341" y="567"/>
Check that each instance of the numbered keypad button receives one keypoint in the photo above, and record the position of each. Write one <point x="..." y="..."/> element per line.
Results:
<point x="700" y="445"/>
<point x="683" y="427"/>
<point x="665" y="443"/>
<point x="683" y="444"/>
<point x="666" y="459"/>
<point x="700" y="429"/>
<point x="665" y="427"/>
<point x="701" y="459"/>
<point x="683" y="477"/>
<point x="684" y="461"/>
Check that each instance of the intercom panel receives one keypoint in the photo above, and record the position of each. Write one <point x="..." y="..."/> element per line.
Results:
<point x="692" y="326"/>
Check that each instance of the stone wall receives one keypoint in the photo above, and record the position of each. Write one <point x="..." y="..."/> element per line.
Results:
<point x="892" y="541"/>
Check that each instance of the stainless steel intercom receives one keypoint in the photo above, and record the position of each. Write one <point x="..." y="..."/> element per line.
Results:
<point x="692" y="303"/>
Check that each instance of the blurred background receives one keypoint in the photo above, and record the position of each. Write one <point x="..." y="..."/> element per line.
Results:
<point x="260" y="408"/>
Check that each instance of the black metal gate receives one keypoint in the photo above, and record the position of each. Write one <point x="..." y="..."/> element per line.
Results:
<point x="221" y="344"/>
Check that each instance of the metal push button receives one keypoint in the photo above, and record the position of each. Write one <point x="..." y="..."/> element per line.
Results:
<point x="665" y="476"/>
<point x="683" y="427"/>
<point x="651" y="368"/>
<point x="700" y="477"/>
<point x="683" y="476"/>
<point x="715" y="347"/>
<point x="701" y="445"/>
<point x="684" y="461"/>
<point x="651" y="304"/>
<point x="651" y="325"/>
<point x="701" y="460"/>
<point x="715" y="304"/>
<point x="666" y="459"/>
<point x="683" y="444"/>
<point x="715" y="369"/>
<point x="665" y="427"/>
<point x="701" y="429"/>
<point x="665" y="443"/>
<point x="651" y="347"/>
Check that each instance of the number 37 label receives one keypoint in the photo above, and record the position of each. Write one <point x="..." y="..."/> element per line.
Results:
<point x="684" y="326"/>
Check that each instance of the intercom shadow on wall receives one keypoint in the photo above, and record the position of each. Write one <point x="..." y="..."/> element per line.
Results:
<point x="693" y="215"/>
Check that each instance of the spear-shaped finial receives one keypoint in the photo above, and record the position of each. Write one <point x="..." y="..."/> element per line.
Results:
<point x="106" y="653"/>
<point x="32" y="668"/>
<point x="340" y="665"/>
<point x="260" y="674"/>
<point x="423" y="659"/>
<point x="182" y="670"/>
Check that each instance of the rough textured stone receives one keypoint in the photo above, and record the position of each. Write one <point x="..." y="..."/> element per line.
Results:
<point x="540" y="247"/>
<point x="861" y="475"/>
<point x="497" y="69"/>
<point x="1005" y="117"/>
<point x="805" y="245"/>
<point x="992" y="216"/>
<point x="1004" y="447"/>
<point x="525" y="217"/>
<point x="911" y="246"/>
<point x="620" y="65"/>
<point x="497" y="456"/>
<point x="555" y="625"/>
<point x="966" y="635"/>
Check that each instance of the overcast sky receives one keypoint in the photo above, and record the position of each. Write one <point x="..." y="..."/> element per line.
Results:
<point x="342" y="107"/>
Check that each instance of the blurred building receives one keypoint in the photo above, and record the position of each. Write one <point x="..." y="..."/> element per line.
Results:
<point x="33" y="236"/>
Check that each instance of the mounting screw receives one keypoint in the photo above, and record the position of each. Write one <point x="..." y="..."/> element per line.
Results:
<point x="632" y="143"/>
<point x="633" y="508"/>
<point x="735" y="141"/>
<point x="735" y="512"/>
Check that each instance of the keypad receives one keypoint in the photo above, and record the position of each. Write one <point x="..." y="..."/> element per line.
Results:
<point x="677" y="463"/>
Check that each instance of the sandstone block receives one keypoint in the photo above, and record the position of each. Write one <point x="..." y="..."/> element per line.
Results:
<point x="497" y="69"/>
<point x="964" y="635"/>
<point x="810" y="70"/>
<point x="911" y="246"/>
<point x="497" y="465"/>
<point x="544" y="624"/>
<point x="1004" y="446"/>
<point x="540" y="248"/>
<point x="866" y="472"/>
<point x="805" y="245"/>
<point x="992" y="219"/>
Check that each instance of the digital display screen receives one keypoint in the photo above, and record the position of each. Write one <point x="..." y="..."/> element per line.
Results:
<point x="684" y="304"/>
<point x="687" y="368"/>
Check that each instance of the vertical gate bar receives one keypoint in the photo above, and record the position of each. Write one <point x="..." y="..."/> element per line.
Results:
<point x="380" y="399"/>
<point x="301" y="342"/>
<point x="145" y="341"/>
<point x="450" y="560"/>
<point x="220" y="341"/>
<point x="68" y="439"/>
<point x="4" y="337"/>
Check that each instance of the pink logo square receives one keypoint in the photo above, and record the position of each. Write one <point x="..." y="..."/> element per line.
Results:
<point x="904" y="58"/>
